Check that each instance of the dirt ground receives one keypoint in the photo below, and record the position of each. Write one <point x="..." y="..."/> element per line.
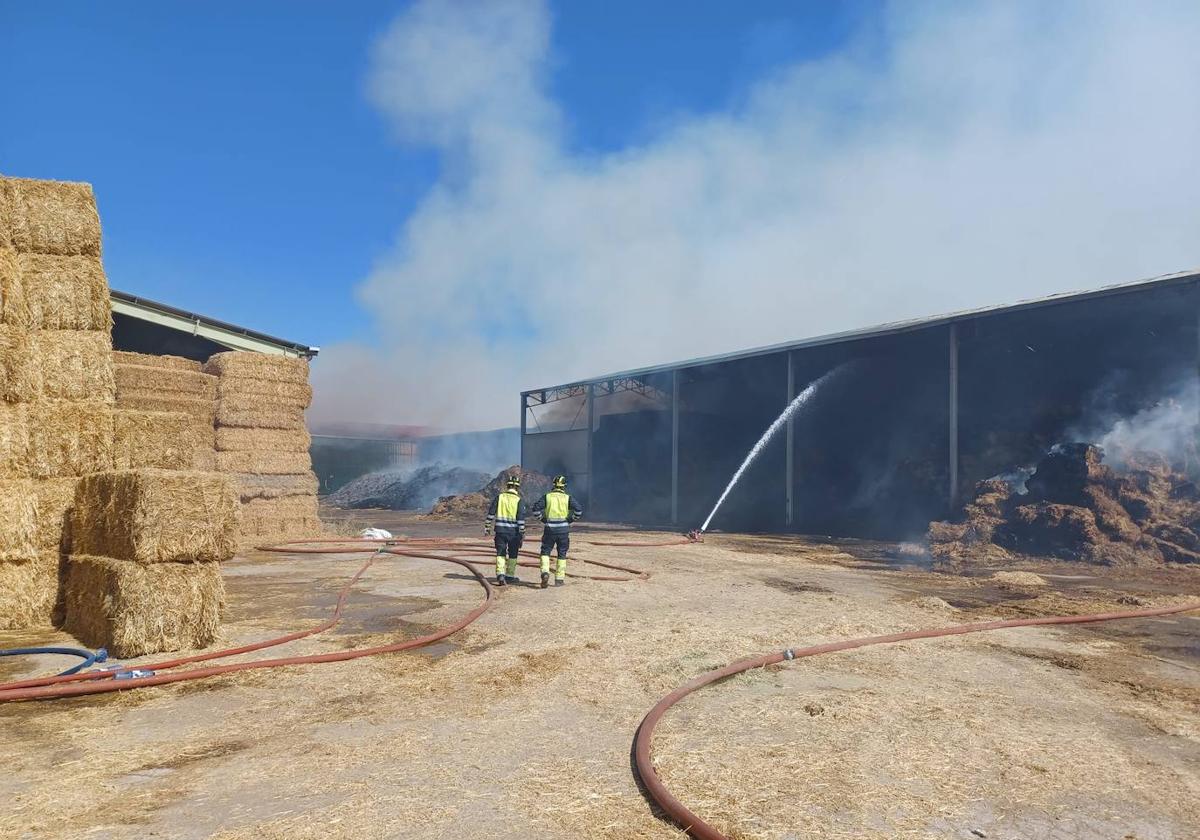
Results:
<point x="521" y="725"/>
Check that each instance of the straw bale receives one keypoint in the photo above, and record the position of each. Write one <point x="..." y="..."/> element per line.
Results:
<point x="267" y="529"/>
<point x="125" y="357"/>
<point x="20" y="373"/>
<point x="65" y="293"/>
<point x="196" y="407"/>
<point x="251" y="486"/>
<point x="53" y="217"/>
<point x="14" y="442"/>
<point x="54" y="497"/>
<point x="68" y="438"/>
<point x="245" y="391"/>
<point x="204" y="460"/>
<point x="155" y="516"/>
<point x="285" y="507"/>
<point x="18" y="521"/>
<point x="243" y="363"/>
<point x="169" y="381"/>
<point x="165" y="439"/>
<point x="263" y="440"/>
<point x="266" y="463"/>
<point x="29" y="592"/>
<point x="133" y="609"/>
<point x="14" y="307"/>
<point x="75" y="364"/>
<point x="5" y="212"/>
<point x="258" y="417"/>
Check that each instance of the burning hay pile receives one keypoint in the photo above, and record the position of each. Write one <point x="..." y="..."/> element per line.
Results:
<point x="475" y="505"/>
<point x="261" y="441"/>
<point x="1074" y="507"/>
<point x="56" y="382"/>
<point x="407" y="489"/>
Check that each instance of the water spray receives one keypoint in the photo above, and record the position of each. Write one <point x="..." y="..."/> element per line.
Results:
<point x="792" y="407"/>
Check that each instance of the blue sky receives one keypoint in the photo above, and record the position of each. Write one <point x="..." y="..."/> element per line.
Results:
<point x="241" y="170"/>
<point x="460" y="199"/>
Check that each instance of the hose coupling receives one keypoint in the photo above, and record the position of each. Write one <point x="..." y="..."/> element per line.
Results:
<point x="133" y="674"/>
<point x="789" y="654"/>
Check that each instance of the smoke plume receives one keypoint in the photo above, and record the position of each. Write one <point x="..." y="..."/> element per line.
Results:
<point x="949" y="155"/>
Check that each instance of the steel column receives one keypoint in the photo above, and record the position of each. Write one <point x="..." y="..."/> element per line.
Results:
<point x="675" y="447"/>
<point x="523" y="411"/>
<point x="591" y="462"/>
<point x="790" y="457"/>
<point x="953" y="416"/>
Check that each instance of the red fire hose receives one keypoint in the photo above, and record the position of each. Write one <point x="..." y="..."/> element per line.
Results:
<point x="645" y="733"/>
<point x="97" y="682"/>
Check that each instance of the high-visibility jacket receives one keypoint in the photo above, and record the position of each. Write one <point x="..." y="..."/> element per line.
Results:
<point x="507" y="513"/>
<point x="558" y="510"/>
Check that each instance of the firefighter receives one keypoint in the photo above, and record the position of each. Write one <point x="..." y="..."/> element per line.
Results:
<point x="557" y="510"/>
<point x="507" y="518"/>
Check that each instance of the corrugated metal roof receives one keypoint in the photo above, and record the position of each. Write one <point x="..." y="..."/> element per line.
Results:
<point x="893" y="328"/>
<point x="219" y="331"/>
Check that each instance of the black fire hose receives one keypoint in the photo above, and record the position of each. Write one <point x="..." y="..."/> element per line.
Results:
<point x="89" y="658"/>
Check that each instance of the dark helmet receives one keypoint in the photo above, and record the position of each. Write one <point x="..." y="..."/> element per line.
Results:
<point x="560" y="482"/>
<point x="514" y="482"/>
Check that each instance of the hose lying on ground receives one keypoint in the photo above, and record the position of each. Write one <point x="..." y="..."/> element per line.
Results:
<point x="89" y="657"/>
<point x="697" y="827"/>
<point x="97" y="682"/>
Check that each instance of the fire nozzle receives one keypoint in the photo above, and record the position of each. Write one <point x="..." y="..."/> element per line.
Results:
<point x="695" y="535"/>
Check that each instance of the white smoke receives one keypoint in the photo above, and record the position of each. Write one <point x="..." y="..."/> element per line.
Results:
<point x="1165" y="424"/>
<point x="950" y="155"/>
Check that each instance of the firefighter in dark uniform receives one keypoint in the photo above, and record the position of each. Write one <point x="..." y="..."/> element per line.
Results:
<point x="557" y="510"/>
<point x="506" y="518"/>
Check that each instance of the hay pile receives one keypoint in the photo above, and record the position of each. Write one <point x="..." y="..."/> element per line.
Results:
<point x="262" y="443"/>
<point x="411" y="489"/>
<point x="164" y="396"/>
<point x="474" y="506"/>
<point x="146" y="547"/>
<point x="56" y="382"/>
<point x="1075" y="507"/>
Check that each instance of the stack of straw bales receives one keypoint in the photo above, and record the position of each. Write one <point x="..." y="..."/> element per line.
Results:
<point x="105" y="524"/>
<point x="165" y="413"/>
<point x="262" y="442"/>
<point x="146" y="546"/>
<point x="56" y="382"/>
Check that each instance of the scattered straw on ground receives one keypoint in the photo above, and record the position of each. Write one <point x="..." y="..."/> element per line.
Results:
<point x="522" y="727"/>
<point x="1019" y="578"/>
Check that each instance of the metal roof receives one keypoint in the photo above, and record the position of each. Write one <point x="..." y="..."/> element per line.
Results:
<point x="225" y="334"/>
<point x="895" y="327"/>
